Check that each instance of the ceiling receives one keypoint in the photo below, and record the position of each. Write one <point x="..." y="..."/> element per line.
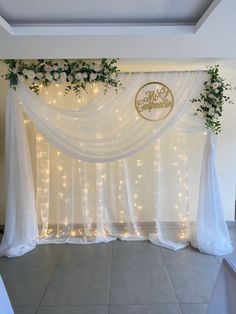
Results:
<point x="154" y="30"/>
<point x="62" y="12"/>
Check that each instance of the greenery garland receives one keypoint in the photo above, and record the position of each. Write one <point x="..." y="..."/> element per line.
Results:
<point x="76" y="73"/>
<point x="212" y="98"/>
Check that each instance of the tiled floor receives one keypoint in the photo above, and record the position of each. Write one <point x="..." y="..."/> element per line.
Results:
<point x="114" y="278"/>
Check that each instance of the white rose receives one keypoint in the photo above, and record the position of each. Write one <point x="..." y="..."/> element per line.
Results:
<point x="70" y="77"/>
<point x="97" y="67"/>
<point x="217" y="91"/>
<point x="30" y="74"/>
<point x="48" y="76"/>
<point x="211" y="111"/>
<point x="25" y="71"/>
<point x="112" y="76"/>
<point x="48" y="68"/>
<point x="14" y="70"/>
<point x="106" y="71"/>
<point x="39" y="75"/>
<point x="56" y="75"/>
<point x="211" y="96"/>
<point x="93" y="76"/>
<point x="63" y="77"/>
<point x="55" y="67"/>
<point x="78" y="76"/>
<point x="215" y="85"/>
<point x="85" y="75"/>
<point x="21" y="78"/>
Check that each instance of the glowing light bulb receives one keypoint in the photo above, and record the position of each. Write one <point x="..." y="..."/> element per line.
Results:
<point x="95" y="89"/>
<point x="39" y="137"/>
<point x="139" y="163"/>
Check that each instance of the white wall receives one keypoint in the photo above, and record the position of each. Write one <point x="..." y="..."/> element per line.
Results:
<point x="3" y="94"/>
<point x="226" y="158"/>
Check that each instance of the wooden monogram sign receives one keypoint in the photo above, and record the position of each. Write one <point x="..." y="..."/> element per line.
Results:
<point x="154" y="101"/>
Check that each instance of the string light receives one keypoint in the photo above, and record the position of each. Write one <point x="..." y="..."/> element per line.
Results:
<point x="95" y="89"/>
<point x="43" y="171"/>
<point x="182" y="196"/>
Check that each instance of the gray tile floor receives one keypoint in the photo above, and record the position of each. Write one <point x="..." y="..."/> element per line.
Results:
<point x="114" y="278"/>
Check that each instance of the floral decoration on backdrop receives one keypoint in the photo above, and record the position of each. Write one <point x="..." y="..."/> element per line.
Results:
<point x="212" y="98"/>
<point x="76" y="73"/>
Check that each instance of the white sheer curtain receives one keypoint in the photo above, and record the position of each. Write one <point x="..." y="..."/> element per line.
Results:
<point x="211" y="230"/>
<point x="115" y="195"/>
<point x="110" y="129"/>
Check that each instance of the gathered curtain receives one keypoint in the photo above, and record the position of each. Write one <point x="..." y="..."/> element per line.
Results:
<point x="91" y="169"/>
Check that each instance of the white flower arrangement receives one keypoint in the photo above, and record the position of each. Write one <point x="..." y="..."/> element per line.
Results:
<point x="211" y="100"/>
<point x="76" y="73"/>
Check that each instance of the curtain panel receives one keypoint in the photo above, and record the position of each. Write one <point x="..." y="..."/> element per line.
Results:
<point x="89" y="165"/>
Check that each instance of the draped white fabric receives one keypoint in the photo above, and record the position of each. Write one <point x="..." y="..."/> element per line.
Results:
<point x="109" y="129"/>
<point x="81" y="202"/>
<point x="211" y="230"/>
<point x="21" y="232"/>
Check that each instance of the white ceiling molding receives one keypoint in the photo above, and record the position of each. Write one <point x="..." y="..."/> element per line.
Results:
<point x="5" y="26"/>
<point x="209" y="38"/>
<point x="90" y="29"/>
<point x="206" y="15"/>
<point x="95" y="30"/>
<point x="103" y="11"/>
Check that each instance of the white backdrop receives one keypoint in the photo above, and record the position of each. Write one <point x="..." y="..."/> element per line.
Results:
<point x="83" y="202"/>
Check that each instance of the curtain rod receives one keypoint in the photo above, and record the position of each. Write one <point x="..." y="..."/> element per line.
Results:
<point x="150" y="72"/>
